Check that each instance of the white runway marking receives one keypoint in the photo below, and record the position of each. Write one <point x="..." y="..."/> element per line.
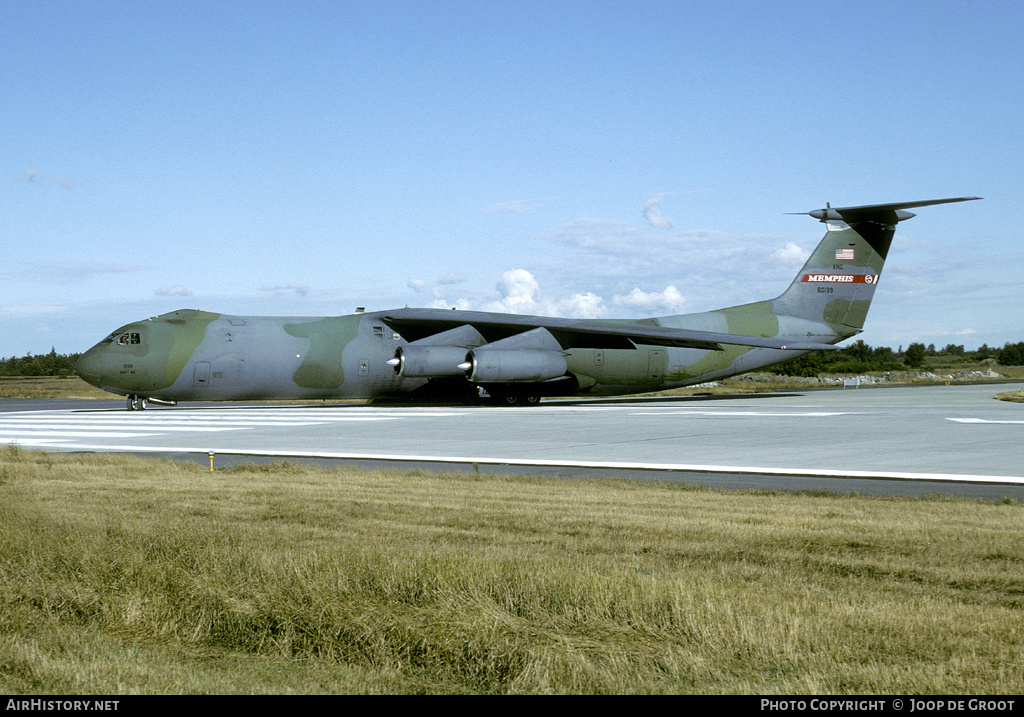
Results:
<point x="30" y="434"/>
<point x="48" y="427"/>
<point x="44" y="428"/>
<point x="747" y="414"/>
<point x="983" y="420"/>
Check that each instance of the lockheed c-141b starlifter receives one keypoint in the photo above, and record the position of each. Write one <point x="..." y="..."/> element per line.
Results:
<point x="458" y="355"/>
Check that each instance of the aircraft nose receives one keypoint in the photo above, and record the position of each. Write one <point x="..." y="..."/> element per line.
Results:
<point x="89" y="368"/>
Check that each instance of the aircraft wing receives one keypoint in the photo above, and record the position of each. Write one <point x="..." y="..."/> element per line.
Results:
<point x="416" y="324"/>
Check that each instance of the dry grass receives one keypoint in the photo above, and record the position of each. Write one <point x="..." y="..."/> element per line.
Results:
<point x="48" y="387"/>
<point x="122" y="575"/>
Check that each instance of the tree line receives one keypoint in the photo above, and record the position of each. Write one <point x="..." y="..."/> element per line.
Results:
<point x="858" y="357"/>
<point x="855" y="358"/>
<point x="51" y="364"/>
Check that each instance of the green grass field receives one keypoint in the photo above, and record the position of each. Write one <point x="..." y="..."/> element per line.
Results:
<point x="126" y="575"/>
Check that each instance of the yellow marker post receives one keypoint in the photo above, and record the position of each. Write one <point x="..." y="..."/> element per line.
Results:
<point x="211" y="461"/>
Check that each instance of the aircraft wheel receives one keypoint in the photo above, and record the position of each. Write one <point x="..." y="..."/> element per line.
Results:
<point x="131" y="402"/>
<point x="140" y="403"/>
<point x="513" y="396"/>
<point x="518" y="399"/>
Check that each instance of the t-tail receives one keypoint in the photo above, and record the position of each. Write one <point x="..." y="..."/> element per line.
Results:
<point x="838" y="281"/>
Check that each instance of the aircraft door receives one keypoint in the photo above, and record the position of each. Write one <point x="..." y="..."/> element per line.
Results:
<point x="201" y="377"/>
<point x="656" y="365"/>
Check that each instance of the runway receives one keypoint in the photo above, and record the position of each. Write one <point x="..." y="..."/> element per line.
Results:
<point x="891" y="440"/>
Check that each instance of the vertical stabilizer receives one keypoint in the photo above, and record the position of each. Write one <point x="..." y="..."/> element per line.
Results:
<point x="838" y="281"/>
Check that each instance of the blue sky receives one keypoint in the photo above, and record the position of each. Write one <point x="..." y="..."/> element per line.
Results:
<point x="618" y="159"/>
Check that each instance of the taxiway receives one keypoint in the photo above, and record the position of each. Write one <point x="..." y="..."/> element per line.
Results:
<point x="891" y="440"/>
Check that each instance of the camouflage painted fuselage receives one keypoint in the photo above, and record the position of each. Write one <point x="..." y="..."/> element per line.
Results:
<point x="197" y="355"/>
<point x="202" y="356"/>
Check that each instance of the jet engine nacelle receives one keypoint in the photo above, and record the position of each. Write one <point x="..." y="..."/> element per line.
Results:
<point x="513" y="365"/>
<point x="428" y="361"/>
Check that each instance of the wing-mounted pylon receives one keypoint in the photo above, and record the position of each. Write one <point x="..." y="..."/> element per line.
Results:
<point x="529" y="357"/>
<point x="436" y="355"/>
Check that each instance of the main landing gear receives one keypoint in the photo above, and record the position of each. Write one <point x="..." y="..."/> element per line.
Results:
<point x="519" y="399"/>
<point x="514" y="398"/>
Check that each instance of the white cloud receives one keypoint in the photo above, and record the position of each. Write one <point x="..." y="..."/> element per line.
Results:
<point x="518" y="291"/>
<point x="669" y="300"/>
<point x="521" y="294"/>
<point x="599" y="267"/>
<point x="452" y="277"/>
<point x="612" y="258"/>
<point x="790" y="255"/>
<point x="653" y="215"/>
<point x="586" y="306"/>
<point x="516" y="206"/>
<point x="22" y="311"/>
<point x="442" y="303"/>
<point x="436" y="290"/>
<point x="300" y="289"/>
<point x="176" y="290"/>
<point x="600" y="236"/>
<point x="32" y="175"/>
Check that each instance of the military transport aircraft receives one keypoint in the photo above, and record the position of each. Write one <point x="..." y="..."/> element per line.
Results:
<point x="461" y="355"/>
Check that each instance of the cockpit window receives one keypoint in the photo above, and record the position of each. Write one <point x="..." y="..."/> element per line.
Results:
<point x="123" y="339"/>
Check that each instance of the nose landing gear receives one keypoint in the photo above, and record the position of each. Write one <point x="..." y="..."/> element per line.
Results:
<point x="136" y="403"/>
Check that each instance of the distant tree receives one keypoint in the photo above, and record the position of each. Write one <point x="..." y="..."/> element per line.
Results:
<point x="807" y="365"/>
<point x="858" y="350"/>
<point x="1012" y="355"/>
<point x="914" y="355"/>
<point x="953" y="350"/>
<point x="51" y="364"/>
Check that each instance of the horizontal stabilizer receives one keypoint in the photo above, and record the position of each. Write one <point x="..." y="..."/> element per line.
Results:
<point x="884" y="213"/>
<point x="877" y="222"/>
